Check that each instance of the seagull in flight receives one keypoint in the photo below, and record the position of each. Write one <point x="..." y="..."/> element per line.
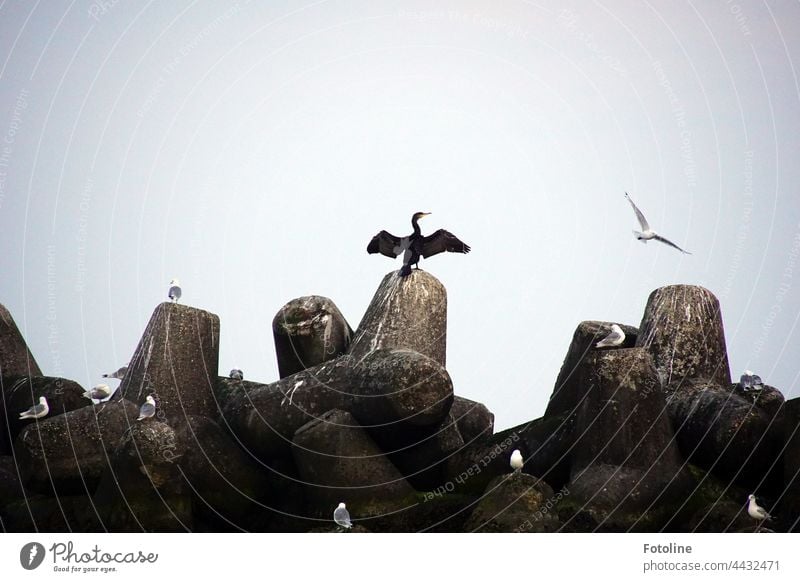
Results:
<point x="614" y="338"/>
<point x="648" y="233"/>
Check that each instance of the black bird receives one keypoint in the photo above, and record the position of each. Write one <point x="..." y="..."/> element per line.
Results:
<point x="415" y="245"/>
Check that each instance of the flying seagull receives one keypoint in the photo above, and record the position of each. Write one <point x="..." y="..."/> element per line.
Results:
<point x="342" y="517"/>
<point x="98" y="392"/>
<point x="516" y="461"/>
<point x="755" y="511"/>
<point x="614" y="338"/>
<point x="647" y="233"/>
<point x="236" y="374"/>
<point x="414" y="246"/>
<point x="148" y="409"/>
<point x="37" y="410"/>
<point x="174" y="290"/>
<point x="119" y="374"/>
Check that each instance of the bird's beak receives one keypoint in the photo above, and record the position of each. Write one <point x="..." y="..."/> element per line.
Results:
<point x="426" y="214"/>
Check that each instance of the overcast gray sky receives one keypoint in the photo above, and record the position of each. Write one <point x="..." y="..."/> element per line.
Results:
<point x="253" y="149"/>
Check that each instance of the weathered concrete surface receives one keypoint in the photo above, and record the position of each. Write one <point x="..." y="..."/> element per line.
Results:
<point x="475" y="421"/>
<point x="143" y="489"/>
<point x="790" y="504"/>
<point x="68" y="453"/>
<point x="682" y="328"/>
<point x="422" y="462"/>
<point x="568" y="391"/>
<point x="10" y="485"/>
<point x="227" y="486"/>
<point x="176" y="361"/>
<point x="388" y="391"/>
<point x="20" y="393"/>
<point x="515" y="503"/>
<point x="408" y="313"/>
<point x="15" y="357"/>
<point x="546" y="445"/>
<point x="721" y="432"/>
<point x="308" y="331"/>
<point x="623" y="418"/>
<point x="66" y="514"/>
<point x="338" y="461"/>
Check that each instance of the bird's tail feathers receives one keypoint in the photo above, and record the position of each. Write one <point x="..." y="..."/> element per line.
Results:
<point x="405" y="270"/>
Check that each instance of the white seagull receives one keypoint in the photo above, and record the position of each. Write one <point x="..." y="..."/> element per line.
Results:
<point x="37" y="410"/>
<point x="516" y="461"/>
<point x="342" y="517"/>
<point x="750" y="381"/>
<point x="755" y="511"/>
<point x="174" y="290"/>
<point x="98" y="392"/>
<point x="647" y="233"/>
<point x="119" y="374"/>
<point x="614" y="338"/>
<point x="236" y="374"/>
<point x="148" y="409"/>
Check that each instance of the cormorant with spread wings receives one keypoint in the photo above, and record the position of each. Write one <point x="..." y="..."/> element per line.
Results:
<point x="415" y="245"/>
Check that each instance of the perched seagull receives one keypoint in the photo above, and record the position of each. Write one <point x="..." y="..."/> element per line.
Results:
<point x="647" y="233"/>
<point x="750" y="381"/>
<point x="236" y="374"/>
<point x="119" y="374"/>
<point x="516" y="461"/>
<point x="614" y="338"/>
<point x="755" y="511"/>
<point x="174" y="290"/>
<point x="98" y="392"/>
<point x="148" y="409"/>
<point x="37" y="410"/>
<point x="342" y="517"/>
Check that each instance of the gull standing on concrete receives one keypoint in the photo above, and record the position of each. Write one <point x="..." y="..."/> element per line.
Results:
<point x="648" y="233"/>
<point x="119" y="374"/>
<point x="755" y="511"/>
<point x="342" y="517"/>
<point x="236" y="374"/>
<point x="37" y="410"/>
<point x="750" y="381"/>
<point x="174" y="290"/>
<point x="614" y="338"/>
<point x="98" y="392"/>
<point x="148" y="409"/>
<point x="516" y="461"/>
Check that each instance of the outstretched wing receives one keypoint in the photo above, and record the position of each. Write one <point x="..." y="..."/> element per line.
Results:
<point x="441" y="241"/>
<point x="385" y="243"/>
<point x="660" y="238"/>
<point x="639" y="216"/>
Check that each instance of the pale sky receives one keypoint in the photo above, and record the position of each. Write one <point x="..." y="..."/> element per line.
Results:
<point x="253" y="150"/>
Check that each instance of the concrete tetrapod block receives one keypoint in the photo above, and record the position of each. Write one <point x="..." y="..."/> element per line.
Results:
<point x="625" y="463"/>
<point x="475" y="421"/>
<point x="682" y="328"/>
<point x="568" y="391"/>
<point x="516" y="503"/>
<point x="15" y="357"/>
<point x="790" y="504"/>
<point x="339" y="462"/>
<point x="723" y="433"/>
<point x="20" y="393"/>
<point x="68" y="453"/>
<point x="408" y="313"/>
<point x="143" y="488"/>
<point x="389" y="391"/>
<point x="309" y="331"/>
<point x="176" y="361"/>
